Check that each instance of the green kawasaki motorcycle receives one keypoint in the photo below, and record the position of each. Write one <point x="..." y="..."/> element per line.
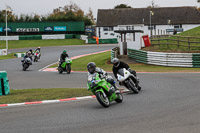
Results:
<point x="65" y="66"/>
<point x="103" y="90"/>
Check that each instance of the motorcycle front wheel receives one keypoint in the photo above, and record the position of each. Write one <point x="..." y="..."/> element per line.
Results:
<point x="35" y="59"/>
<point x="132" y="85"/>
<point x="68" y="69"/>
<point x="25" y="66"/>
<point x="103" y="99"/>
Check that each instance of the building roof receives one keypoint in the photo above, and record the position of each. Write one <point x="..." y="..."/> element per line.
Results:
<point x="128" y="16"/>
<point x="129" y="31"/>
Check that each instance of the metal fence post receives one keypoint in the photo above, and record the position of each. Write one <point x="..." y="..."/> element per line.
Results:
<point x="189" y="43"/>
<point x="178" y="41"/>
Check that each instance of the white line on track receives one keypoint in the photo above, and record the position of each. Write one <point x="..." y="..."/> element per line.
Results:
<point x="47" y="66"/>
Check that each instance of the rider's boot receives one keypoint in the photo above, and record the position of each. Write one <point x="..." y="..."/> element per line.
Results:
<point x="116" y="89"/>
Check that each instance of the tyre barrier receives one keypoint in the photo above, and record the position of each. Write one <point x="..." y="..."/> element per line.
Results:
<point x="103" y="41"/>
<point x="165" y="59"/>
<point x="19" y="55"/>
<point x="4" y="85"/>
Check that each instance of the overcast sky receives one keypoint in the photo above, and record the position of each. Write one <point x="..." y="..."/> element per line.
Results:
<point x="43" y="7"/>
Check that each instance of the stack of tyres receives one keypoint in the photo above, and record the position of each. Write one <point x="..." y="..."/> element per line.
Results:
<point x="4" y="85"/>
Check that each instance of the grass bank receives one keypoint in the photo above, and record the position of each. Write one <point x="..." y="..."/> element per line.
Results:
<point x="102" y="60"/>
<point x="30" y="95"/>
<point x="42" y="43"/>
<point x="178" y="44"/>
<point x="9" y="56"/>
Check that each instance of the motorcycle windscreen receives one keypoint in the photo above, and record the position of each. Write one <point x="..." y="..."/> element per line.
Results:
<point x="91" y="77"/>
<point x="121" y="72"/>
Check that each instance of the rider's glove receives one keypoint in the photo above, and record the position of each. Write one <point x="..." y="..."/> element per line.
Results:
<point x="129" y="70"/>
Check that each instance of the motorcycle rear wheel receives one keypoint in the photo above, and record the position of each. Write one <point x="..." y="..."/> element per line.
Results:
<point x="120" y="98"/>
<point x="60" y="70"/>
<point x="103" y="100"/>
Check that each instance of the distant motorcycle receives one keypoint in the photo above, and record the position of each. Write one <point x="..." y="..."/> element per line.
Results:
<point x="26" y="63"/>
<point x="128" y="80"/>
<point x="65" y="66"/>
<point x="36" y="56"/>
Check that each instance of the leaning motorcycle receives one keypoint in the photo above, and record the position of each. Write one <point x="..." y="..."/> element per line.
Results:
<point x="128" y="80"/>
<point x="65" y="66"/>
<point x="36" y="56"/>
<point x="26" y="63"/>
<point x="103" y="90"/>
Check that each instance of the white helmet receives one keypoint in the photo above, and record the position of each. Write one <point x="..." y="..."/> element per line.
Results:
<point x="116" y="62"/>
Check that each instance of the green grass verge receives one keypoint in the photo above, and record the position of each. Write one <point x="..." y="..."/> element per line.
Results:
<point x="41" y="43"/>
<point x="9" y="56"/>
<point x="30" y="95"/>
<point x="102" y="60"/>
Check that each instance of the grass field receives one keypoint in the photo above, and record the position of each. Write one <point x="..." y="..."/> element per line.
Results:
<point x="30" y="95"/>
<point x="41" y="43"/>
<point x="102" y="60"/>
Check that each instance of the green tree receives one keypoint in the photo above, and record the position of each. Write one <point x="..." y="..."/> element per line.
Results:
<point x="71" y="12"/>
<point x="122" y="6"/>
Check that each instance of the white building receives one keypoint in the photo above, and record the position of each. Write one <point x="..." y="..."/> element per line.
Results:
<point x="162" y="20"/>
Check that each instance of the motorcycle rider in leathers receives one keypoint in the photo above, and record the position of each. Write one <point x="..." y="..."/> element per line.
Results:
<point x="92" y="69"/>
<point x="62" y="57"/>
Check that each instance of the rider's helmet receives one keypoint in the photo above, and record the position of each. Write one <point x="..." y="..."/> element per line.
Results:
<point x="64" y="52"/>
<point x="29" y="53"/>
<point x="116" y="62"/>
<point x="30" y="50"/>
<point x="38" y="48"/>
<point x="91" y="67"/>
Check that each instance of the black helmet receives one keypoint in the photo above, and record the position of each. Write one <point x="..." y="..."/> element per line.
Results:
<point x="91" y="67"/>
<point x="116" y="62"/>
<point x="31" y="50"/>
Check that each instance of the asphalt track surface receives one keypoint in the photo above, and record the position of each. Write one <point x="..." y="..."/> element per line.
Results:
<point x="168" y="103"/>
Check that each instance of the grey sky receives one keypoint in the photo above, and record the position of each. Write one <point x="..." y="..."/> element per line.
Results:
<point x="43" y="7"/>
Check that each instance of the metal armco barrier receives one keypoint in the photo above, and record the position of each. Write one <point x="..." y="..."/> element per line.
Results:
<point x="165" y="59"/>
<point x="4" y="85"/>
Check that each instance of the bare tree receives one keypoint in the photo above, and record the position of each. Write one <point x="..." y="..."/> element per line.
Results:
<point x="153" y="5"/>
<point x="90" y="15"/>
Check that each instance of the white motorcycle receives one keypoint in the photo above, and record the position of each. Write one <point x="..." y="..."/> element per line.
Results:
<point x="128" y="80"/>
<point x="36" y="56"/>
